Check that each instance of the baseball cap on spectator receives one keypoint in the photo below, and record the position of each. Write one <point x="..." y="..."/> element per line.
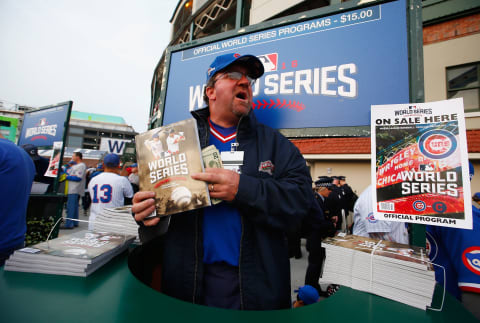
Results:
<point x="308" y="294"/>
<point x="134" y="165"/>
<point x="32" y="150"/>
<point x="477" y="195"/>
<point x="111" y="160"/>
<point x="250" y="62"/>
<point x="324" y="181"/>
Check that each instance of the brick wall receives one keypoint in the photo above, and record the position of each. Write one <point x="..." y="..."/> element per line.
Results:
<point x="451" y="29"/>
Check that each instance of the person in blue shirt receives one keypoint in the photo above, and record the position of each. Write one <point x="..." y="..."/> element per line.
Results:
<point x="17" y="171"/>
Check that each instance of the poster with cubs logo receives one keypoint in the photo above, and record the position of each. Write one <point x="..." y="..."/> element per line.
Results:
<point x="420" y="165"/>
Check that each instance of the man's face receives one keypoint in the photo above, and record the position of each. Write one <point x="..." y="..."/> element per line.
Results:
<point x="229" y="95"/>
<point x="75" y="158"/>
<point x="325" y="192"/>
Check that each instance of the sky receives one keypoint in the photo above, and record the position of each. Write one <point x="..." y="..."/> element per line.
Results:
<point x="99" y="54"/>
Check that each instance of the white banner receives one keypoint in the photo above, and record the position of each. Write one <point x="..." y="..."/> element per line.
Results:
<point x="112" y="145"/>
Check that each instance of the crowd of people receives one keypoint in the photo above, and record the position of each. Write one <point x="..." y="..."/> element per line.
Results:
<point x="234" y="254"/>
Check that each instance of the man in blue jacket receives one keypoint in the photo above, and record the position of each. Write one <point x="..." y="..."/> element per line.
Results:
<point x="233" y="254"/>
<point x="16" y="177"/>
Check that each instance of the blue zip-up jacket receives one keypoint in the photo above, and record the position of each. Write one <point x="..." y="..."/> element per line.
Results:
<point x="269" y="204"/>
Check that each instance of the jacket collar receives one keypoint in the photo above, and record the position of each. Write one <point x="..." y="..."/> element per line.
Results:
<point x="247" y="122"/>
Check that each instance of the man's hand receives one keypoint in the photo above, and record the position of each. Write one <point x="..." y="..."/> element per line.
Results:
<point x="222" y="183"/>
<point x="334" y="219"/>
<point x="143" y="206"/>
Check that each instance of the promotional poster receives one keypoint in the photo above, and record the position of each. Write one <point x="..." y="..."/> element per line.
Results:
<point x="420" y="169"/>
<point x="54" y="164"/>
<point x="321" y="72"/>
<point x="45" y="126"/>
<point x="166" y="157"/>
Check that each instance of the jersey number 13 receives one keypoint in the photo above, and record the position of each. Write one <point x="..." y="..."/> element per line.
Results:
<point x="102" y="195"/>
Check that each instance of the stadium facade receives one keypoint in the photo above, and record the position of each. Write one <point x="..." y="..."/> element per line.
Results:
<point x="451" y="69"/>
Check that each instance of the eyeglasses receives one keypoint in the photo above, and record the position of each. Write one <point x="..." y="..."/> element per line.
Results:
<point x="237" y="76"/>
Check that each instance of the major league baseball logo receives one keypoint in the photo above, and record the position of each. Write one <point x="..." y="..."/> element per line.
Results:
<point x="42" y="122"/>
<point x="269" y="61"/>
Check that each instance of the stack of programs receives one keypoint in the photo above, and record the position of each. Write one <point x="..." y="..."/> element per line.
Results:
<point x="392" y="270"/>
<point x="76" y="254"/>
<point x="117" y="220"/>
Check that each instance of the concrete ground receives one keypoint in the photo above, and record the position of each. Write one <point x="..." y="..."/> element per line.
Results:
<point x="82" y="224"/>
<point x="298" y="267"/>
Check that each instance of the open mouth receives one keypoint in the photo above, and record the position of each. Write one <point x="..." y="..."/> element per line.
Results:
<point x="241" y="95"/>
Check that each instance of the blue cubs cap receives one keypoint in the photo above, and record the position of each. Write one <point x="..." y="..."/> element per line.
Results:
<point x="476" y="195"/>
<point x="134" y="165"/>
<point x="111" y="160"/>
<point x="250" y="62"/>
<point x="308" y="294"/>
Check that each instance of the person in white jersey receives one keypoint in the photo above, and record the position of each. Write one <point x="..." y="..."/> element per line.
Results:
<point x="108" y="189"/>
<point x="173" y="142"/>
<point x="365" y="224"/>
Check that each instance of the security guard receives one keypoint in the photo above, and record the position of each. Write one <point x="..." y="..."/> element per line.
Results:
<point x="341" y="200"/>
<point x="320" y="229"/>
